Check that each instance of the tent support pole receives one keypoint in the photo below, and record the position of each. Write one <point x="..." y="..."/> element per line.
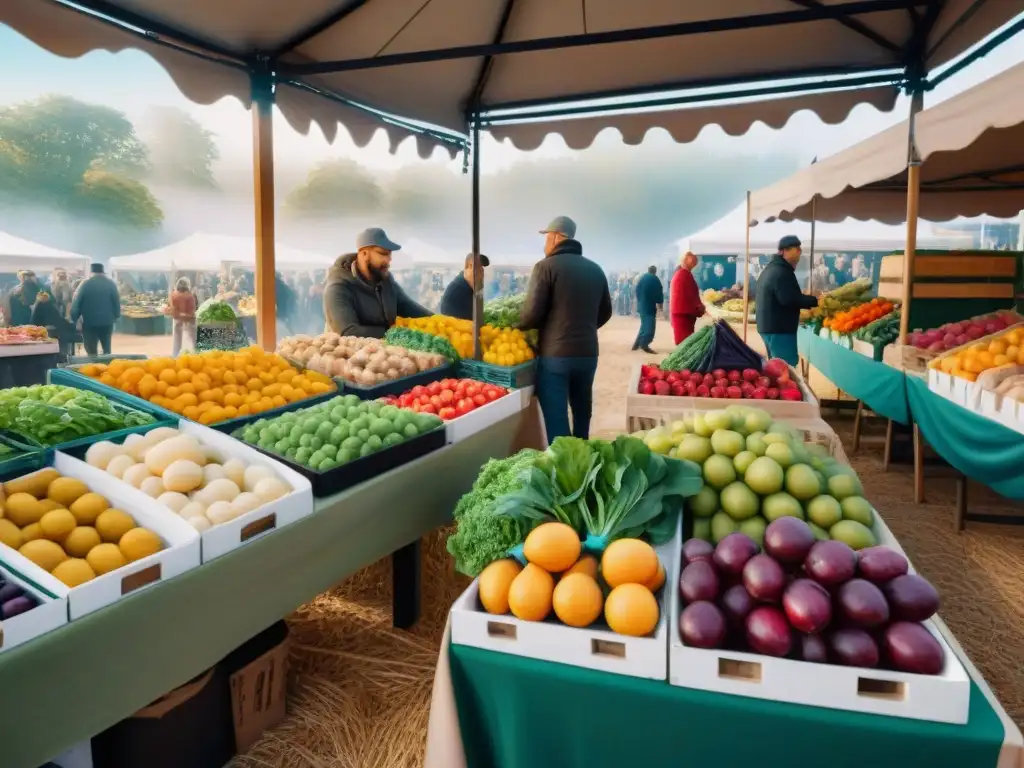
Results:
<point x="913" y="198"/>
<point x="263" y="192"/>
<point x="478" y="281"/>
<point x="810" y="260"/>
<point x="746" y="274"/>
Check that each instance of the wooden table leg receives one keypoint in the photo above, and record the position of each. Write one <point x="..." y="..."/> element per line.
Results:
<point x="960" y="513"/>
<point x="887" y="453"/>
<point x="856" y="425"/>
<point x="405" y="585"/>
<point x="918" y="467"/>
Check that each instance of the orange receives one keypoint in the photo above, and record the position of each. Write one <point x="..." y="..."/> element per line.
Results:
<point x="147" y="386"/>
<point x="266" y="403"/>
<point x="254" y="384"/>
<point x="244" y="409"/>
<point x="319" y="388"/>
<point x="629" y="561"/>
<point x="272" y="390"/>
<point x="587" y="564"/>
<point x="172" y="393"/>
<point x="108" y="379"/>
<point x="278" y="401"/>
<point x="162" y="387"/>
<point x="577" y="600"/>
<point x="206" y="418"/>
<point x="207" y="396"/>
<point x="169" y="376"/>
<point x="191" y="413"/>
<point x="286" y="375"/>
<point x="230" y="412"/>
<point x="185" y="374"/>
<point x="232" y="399"/>
<point x="229" y="377"/>
<point x="530" y="593"/>
<point x="552" y="546"/>
<point x="186" y="399"/>
<point x="631" y="609"/>
<point x="267" y="378"/>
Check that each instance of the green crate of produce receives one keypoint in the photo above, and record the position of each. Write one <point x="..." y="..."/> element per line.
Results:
<point x="509" y="376"/>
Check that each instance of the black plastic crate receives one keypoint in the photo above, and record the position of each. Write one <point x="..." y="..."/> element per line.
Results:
<point x="397" y="386"/>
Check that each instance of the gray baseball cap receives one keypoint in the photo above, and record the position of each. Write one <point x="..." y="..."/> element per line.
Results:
<point x="563" y="225"/>
<point x="375" y="237"/>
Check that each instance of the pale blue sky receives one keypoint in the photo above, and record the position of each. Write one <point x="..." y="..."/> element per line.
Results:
<point x="130" y="81"/>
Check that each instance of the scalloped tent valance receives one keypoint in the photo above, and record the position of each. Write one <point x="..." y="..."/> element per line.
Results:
<point x="430" y="62"/>
<point x="972" y="152"/>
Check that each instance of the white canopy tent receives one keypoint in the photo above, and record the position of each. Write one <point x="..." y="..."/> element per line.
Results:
<point x="971" y="148"/>
<point x="205" y="252"/>
<point x="17" y="254"/>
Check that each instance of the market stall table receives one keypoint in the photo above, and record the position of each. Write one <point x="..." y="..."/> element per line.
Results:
<point x="73" y="683"/>
<point x="27" y="364"/>
<point x="514" y="712"/>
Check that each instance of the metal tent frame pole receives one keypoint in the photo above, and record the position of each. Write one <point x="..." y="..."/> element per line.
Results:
<point x="478" y="283"/>
<point x="263" y="195"/>
<point x="746" y="275"/>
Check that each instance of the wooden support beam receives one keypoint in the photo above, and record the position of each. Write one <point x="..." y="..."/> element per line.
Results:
<point x="263" y="192"/>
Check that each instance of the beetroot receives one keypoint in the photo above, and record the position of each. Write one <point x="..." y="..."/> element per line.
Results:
<point x="911" y="598"/>
<point x="768" y="632"/>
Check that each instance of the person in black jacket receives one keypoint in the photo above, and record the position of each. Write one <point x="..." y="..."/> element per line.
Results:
<point x="650" y="296"/>
<point x="779" y="301"/>
<point x="567" y="301"/>
<point x="458" y="296"/>
<point x="361" y="297"/>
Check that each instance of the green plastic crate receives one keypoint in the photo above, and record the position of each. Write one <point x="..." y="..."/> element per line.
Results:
<point x="513" y="377"/>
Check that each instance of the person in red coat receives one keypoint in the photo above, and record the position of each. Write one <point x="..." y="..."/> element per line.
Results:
<point x="684" y="299"/>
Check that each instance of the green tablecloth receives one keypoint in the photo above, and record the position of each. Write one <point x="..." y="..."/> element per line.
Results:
<point x="76" y="681"/>
<point x="880" y="387"/>
<point x="519" y="713"/>
<point x="981" y="448"/>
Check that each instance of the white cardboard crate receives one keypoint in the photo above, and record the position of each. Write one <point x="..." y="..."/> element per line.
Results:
<point x="224" y="538"/>
<point x="595" y="647"/>
<point x="460" y="428"/>
<point x="181" y="545"/>
<point x="1004" y="410"/>
<point x="50" y="613"/>
<point x="664" y="406"/>
<point x="943" y="698"/>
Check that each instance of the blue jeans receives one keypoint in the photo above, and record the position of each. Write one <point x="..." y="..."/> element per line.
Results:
<point x="648" y="324"/>
<point x="564" y="383"/>
<point x="782" y="346"/>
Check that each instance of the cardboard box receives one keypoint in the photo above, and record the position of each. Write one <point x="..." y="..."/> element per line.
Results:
<point x="259" y="693"/>
<point x="460" y="428"/>
<point x="50" y="613"/>
<point x="181" y="545"/>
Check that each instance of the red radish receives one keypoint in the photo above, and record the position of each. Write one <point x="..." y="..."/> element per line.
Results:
<point x="734" y="392"/>
<point x="646" y="387"/>
<point x="672" y="377"/>
<point x="691" y="389"/>
<point x="718" y="373"/>
<point x="749" y="374"/>
<point x="759" y="393"/>
<point x="662" y="387"/>
<point x="733" y="375"/>
<point x="723" y="383"/>
<point x="791" y="395"/>
<point x="763" y="381"/>
<point x="703" y="391"/>
<point x="677" y="389"/>
<point x="718" y="391"/>
<point x="772" y="394"/>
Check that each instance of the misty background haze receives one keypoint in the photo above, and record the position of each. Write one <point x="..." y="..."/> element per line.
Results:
<point x="102" y="155"/>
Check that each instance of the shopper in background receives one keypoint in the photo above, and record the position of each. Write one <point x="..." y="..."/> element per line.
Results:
<point x="23" y="297"/>
<point x="567" y="301"/>
<point x="98" y="305"/>
<point x="779" y="301"/>
<point x="183" y="315"/>
<point x="684" y="299"/>
<point x="458" y="296"/>
<point x="650" y="295"/>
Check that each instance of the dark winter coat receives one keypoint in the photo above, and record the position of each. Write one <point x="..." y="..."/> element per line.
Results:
<point x="355" y="307"/>
<point x="779" y="298"/>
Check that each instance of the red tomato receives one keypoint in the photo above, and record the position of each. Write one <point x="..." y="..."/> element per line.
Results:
<point x="464" y="406"/>
<point x="447" y="396"/>
<point x="434" y="388"/>
<point x="423" y="399"/>
<point x="472" y="389"/>
<point x="428" y="408"/>
<point x="418" y="390"/>
<point x="447" y="413"/>
<point x="492" y="395"/>
<point x="435" y="400"/>
<point x="480" y="399"/>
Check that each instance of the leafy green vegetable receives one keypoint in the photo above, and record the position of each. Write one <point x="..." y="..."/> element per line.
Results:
<point x="418" y="341"/>
<point x="504" y="312"/>
<point x="604" y="490"/>
<point x="482" y="536"/>
<point x="49" y="414"/>
<point x="213" y="311"/>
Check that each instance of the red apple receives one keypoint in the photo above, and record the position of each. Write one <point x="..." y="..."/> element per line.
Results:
<point x="788" y="384"/>
<point x="749" y="374"/>
<point x="677" y="389"/>
<point x="646" y="387"/>
<point x="672" y="377"/>
<point x="723" y="383"/>
<point x="776" y="368"/>
<point x="691" y="389"/>
<point x="792" y="395"/>
<point x="747" y="389"/>
<point x="763" y="381"/>
<point x="696" y="378"/>
<point x="662" y="388"/>
<point x="703" y="391"/>
<point x="772" y="394"/>
<point x="718" y="373"/>
<point x="759" y="393"/>
<point x="708" y="380"/>
<point x="735" y="392"/>
<point x="685" y="372"/>
<point x="734" y="375"/>
<point x="718" y="391"/>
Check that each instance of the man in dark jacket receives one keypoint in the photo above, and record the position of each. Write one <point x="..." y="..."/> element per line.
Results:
<point x="458" y="296"/>
<point x="361" y="297"/>
<point x="650" y="295"/>
<point x="779" y="301"/>
<point x="98" y="305"/>
<point x="567" y="301"/>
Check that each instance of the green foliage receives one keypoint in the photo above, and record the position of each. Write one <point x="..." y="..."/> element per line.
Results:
<point x="68" y="154"/>
<point x="48" y="414"/>
<point x="181" y="151"/>
<point x="418" y="341"/>
<point x="335" y="188"/>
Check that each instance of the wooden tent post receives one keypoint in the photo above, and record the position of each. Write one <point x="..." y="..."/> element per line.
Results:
<point x="478" y="283"/>
<point x="913" y="198"/>
<point x="746" y="274"/>
<point x="263" y="192"/>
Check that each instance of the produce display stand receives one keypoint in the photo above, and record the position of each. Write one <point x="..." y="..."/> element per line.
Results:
<point x="395" y="386"/>
<point x="129" y="654"/>
<point x="642" y="411"/>
<point x="143" y="325"/>
<point x="26" y="364"/>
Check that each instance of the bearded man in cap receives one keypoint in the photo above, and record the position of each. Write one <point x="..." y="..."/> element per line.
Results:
<point x="779" y="301"/>
<point x="567" y="301"/>
<point x="361" y="297"/>
<point x="684" y="302"/>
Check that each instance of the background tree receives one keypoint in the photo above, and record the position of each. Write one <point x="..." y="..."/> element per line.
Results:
<point x="338" y="189"/>
<point x="181" y="151"/>
<point x="117" y="200"/>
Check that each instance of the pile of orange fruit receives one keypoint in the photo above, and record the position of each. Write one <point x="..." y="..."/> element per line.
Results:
<point x="213" y="386"/>
<point x="500" y="346"/>
<point x="968" y="362"/>
<point x="861" y="315"/>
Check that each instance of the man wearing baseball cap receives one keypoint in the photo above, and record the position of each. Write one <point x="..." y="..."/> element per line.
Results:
<point x="779" y="301"/>
<point x="361" y="297"/>
<point x="458" y="296"/>
<point x="567" y="301"/>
